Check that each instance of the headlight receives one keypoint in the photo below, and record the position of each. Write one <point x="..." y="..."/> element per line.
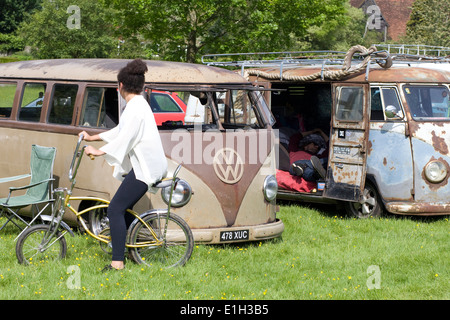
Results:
<point x="181" y="194"/>
<point x="435" y="171"/>
<point x="270" y="188"/>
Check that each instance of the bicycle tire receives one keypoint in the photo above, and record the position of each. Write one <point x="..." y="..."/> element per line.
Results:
<point x="177" y="248"/>
<point x="29" y="243"/>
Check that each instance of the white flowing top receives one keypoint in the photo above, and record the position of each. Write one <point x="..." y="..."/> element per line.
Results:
<point x="135" y="144"/>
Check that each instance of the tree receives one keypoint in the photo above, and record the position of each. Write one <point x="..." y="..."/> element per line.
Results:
<point x="64" y="30"/>
<point x="429" y="23"/>
<point x="185" y="29"/>
<point x="13" y="13"/>
<point x="337" y="34"/>
<point x="10" y="43"/>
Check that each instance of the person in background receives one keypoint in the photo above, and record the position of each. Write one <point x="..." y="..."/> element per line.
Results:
<point x="305" y="162"/>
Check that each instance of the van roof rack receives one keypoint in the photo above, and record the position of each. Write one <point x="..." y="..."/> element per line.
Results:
<point x="416" y="52"/>
<point x="355" y="60"/>
<point x="398" y="52"/>
<point x="268" y="59"/>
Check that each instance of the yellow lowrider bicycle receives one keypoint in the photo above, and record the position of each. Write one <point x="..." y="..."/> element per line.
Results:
<point x="156" y="237"/>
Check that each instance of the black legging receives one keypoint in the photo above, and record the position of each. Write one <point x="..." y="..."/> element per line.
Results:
<point x="129" y="193"/>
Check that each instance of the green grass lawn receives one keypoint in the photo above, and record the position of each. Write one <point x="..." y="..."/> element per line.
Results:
<point x="321" y="256"/>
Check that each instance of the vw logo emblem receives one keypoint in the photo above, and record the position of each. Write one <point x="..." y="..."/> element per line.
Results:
<point x="228" y="165"/>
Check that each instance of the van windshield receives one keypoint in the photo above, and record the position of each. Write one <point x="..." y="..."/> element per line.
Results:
<point x="428" y="102"/>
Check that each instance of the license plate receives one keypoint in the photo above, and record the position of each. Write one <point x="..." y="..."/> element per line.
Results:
<point x="234" y="235"/>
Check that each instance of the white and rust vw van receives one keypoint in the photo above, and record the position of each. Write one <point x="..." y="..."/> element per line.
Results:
<point x="388" y="125"/>
<point x="224" y="139"/>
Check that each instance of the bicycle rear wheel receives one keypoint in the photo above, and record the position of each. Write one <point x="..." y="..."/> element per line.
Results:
<point x="30" y="248"/>
<point x="174" y="251"/>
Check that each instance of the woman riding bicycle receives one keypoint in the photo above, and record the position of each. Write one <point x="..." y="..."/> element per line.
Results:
<point x="135" y="150"/>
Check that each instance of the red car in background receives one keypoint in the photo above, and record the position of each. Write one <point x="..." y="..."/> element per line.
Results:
<point x="167" y="106"/>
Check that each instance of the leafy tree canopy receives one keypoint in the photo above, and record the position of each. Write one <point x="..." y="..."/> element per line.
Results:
<point x="184" y="29"/>
<point x="64" y="30"/>
<point x="13" y="12"/>
<point x="429" y="23"/>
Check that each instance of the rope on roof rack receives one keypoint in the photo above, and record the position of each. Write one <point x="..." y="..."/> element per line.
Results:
<point x="348" y="69"/>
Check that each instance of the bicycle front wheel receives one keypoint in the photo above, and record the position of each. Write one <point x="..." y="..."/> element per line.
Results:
<point x="32" y="249"/>
<point x="168" y="244"/>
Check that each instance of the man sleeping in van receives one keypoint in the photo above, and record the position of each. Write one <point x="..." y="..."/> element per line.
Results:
<point x="307" y="157"/>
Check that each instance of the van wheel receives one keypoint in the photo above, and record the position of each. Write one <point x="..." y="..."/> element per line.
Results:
<point x="369" y="206"/>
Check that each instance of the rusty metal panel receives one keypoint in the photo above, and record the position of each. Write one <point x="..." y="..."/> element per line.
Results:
<point x="430" y="143"/>
<point x="419" y="208"/>
<point x="429" y="127"/>
<point x="348" y="142"/>
<point x="389" y="160"/>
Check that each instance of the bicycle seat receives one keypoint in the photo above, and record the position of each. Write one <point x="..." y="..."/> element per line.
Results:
<point x="165" y="183"/>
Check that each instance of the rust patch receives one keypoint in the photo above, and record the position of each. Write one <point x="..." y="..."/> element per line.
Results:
<point x="384" y="161"/>
<point x="369" y="147"/>
<point x="439" y="143"/>
<point x="413" y="126"/>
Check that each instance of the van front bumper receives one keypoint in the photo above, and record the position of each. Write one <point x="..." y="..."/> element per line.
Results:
<point x="419" y="208"/>
<point x="239" y="234"/>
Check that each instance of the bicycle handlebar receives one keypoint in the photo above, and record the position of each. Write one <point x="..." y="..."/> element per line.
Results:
<point x="78" y="153"/>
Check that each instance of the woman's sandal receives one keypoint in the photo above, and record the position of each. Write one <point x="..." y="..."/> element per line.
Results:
<point x="109" y="267"/>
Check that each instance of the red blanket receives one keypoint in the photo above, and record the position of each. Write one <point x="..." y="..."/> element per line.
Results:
<point x="289" y="182"/>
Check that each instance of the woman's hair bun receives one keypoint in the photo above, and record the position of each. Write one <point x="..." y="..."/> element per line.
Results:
<point x="132" y="76"/>
<point x="137" y="67"/>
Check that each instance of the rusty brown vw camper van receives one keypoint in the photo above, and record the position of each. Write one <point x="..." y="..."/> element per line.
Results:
<point x="225" y="141"/>
<point x="385" y="112"/>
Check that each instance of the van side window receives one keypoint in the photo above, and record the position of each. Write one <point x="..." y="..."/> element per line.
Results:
<point x="100" y="108"/>
<point x="62" y="103"/>
<point x="385" y="104"/>
<point x="350" y="104"/>
<point x="7" y="93"/>
<point x="376" y="107"/>
<point x="391" y="103"/>
<point x="32" y="100"/>
<point x="427" y="102"/>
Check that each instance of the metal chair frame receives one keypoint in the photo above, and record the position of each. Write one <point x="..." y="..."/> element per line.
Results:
<point x="39" y="191"/>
